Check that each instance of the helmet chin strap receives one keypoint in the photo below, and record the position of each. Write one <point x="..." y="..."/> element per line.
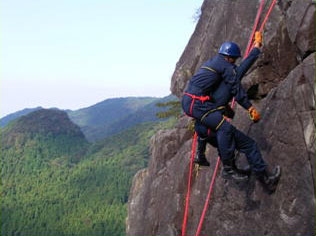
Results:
<point x="230" y="59"/>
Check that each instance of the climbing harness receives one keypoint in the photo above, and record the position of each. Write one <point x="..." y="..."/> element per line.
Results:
<point x="195" y="97"/>
<point x="211" y="111"/>
<point x="200" y="98"/>
<point x="187" y="199"/>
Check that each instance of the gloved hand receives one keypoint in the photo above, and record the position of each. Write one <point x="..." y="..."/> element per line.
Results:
<point x="254" y="114"/>
<point x="258" y="39"/>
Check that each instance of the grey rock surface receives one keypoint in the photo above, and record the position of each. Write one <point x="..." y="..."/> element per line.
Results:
<point x="282" y="82"/>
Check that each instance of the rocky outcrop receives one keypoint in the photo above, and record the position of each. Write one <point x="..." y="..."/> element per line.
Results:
<point x="282" y="82"/>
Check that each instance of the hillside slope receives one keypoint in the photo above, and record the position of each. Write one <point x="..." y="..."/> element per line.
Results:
<point x="53" y="182"/>
<point x="284" y="82"/>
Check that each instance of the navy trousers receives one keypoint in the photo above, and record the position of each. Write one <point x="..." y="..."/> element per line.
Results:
<point x="227" y="138"/>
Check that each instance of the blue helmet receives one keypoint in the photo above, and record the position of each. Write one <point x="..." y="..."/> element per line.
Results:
<point x="230" y="49"/>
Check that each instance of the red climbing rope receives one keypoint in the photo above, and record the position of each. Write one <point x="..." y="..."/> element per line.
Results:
<point x="255" y="26"/>
<point x="250" y="46"/>
<point x="187" y="199"/>
<point x="208" y="198"/>
<point x="206" y="204"/>
<point x="267" y="15"/>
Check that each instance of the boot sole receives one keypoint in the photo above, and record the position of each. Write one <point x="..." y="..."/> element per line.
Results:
<point x="230" y="177"/>
<point x="271" y="189"/>
<point x="202" y="164"/>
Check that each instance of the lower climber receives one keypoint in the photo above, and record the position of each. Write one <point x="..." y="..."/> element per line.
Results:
<point x="207" y="98"/>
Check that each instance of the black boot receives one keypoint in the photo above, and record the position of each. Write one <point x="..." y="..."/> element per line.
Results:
<point x="230" y="171"/>
<point x="269" y="180"/>
<point x="200" y="158"/>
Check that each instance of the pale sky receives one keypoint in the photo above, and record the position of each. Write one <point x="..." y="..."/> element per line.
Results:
<point x="72" y="54"/>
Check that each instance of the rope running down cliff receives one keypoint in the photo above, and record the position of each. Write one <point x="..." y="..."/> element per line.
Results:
<point x="187" y="200"/>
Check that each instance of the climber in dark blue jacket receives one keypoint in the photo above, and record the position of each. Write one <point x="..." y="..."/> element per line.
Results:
<point x="207" y="98"/>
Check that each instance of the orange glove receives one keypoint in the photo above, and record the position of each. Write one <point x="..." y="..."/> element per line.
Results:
<point x="258" y="38"/>
<point x="254" y="114"/>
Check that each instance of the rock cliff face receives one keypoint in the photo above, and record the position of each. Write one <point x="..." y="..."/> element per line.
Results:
<point x="282" y="82"/>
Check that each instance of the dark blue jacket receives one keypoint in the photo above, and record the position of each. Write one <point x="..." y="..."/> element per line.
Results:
<point x="222" y="85"/>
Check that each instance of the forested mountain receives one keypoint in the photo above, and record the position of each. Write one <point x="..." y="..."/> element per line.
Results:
<point x="53" y="182"/>
<point x="44" y="129"/>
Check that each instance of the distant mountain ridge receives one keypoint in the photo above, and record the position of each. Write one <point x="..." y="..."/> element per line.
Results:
<point x="8" y="118"/>
<point x="114" y="115"/>
<point x="108" y="110"/>
<point x="107" y="117"/>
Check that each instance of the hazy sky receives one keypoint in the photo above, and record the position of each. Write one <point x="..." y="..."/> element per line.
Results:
<point x="72" y="54"/>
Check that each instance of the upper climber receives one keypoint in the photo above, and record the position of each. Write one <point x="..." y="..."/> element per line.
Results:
<point x="207" y="98"/>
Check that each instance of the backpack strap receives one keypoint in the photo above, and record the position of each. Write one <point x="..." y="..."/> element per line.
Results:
<point x="209" y="68"/>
